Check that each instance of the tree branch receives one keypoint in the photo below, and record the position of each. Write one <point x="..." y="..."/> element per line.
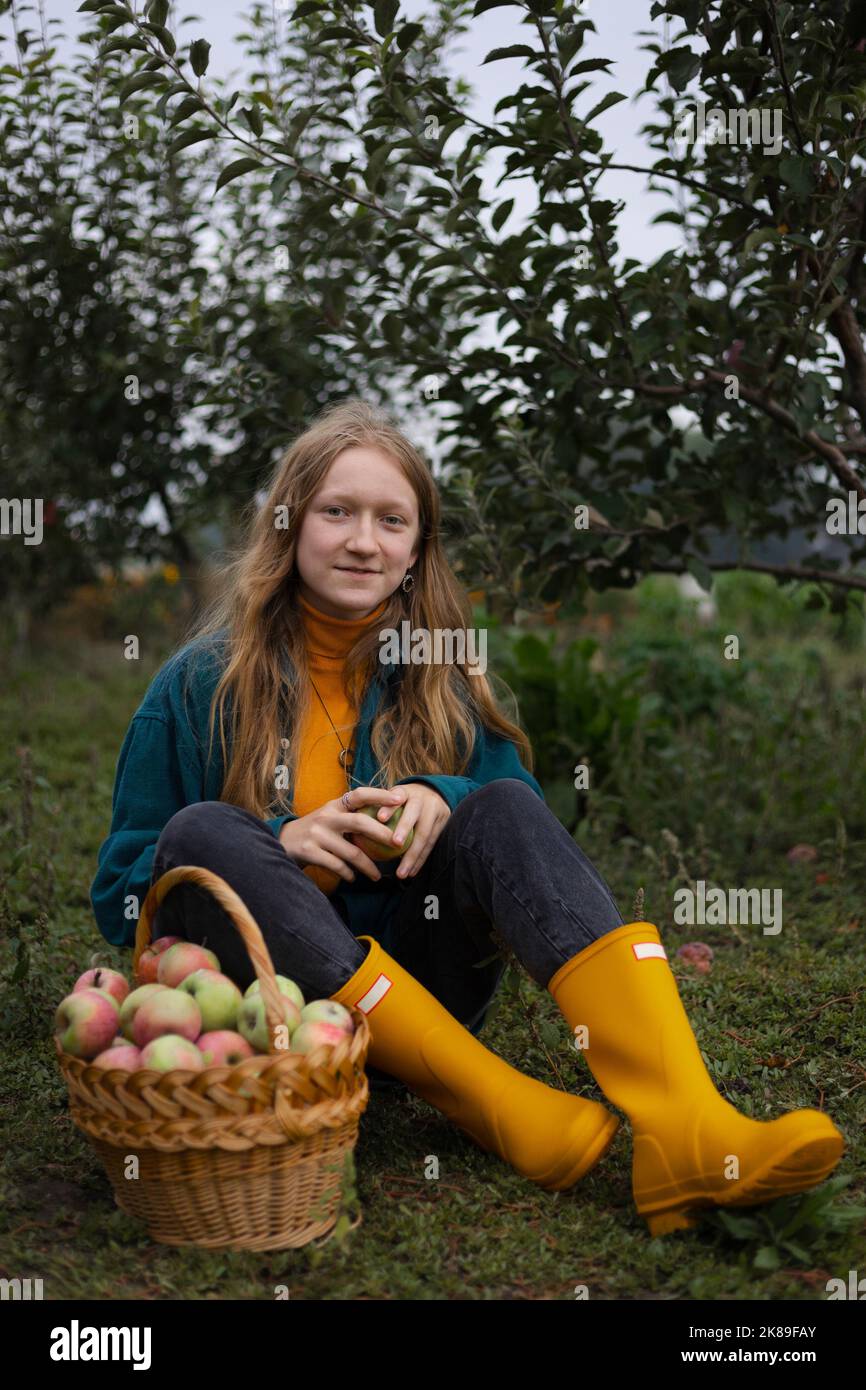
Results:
<point x="831" y="453"/>
<point x="806" y="574"/>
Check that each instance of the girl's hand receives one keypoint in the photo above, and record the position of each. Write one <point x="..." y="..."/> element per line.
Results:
<point x="425" y="811"/>
<point x="320" y="837"/>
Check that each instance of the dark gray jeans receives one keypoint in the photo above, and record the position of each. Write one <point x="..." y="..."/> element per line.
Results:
<point x="501" y="859"/>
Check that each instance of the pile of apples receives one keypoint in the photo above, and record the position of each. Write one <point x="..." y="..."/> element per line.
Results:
<point x="184" y="1013"/>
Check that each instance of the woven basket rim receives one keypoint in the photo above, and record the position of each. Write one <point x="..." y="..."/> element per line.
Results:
<point x="288" y="1060"/>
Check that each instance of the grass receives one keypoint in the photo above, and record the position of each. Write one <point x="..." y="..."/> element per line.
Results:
<point x="779" y="1019"/>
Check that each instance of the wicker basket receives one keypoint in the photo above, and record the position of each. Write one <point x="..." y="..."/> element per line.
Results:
<point x="243" y="1157"/>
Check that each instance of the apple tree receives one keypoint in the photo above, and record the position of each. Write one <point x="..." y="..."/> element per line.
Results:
<point x="559" y="362"/>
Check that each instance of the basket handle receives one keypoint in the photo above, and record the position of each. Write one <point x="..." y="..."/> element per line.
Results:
<point x="241" y="917"/>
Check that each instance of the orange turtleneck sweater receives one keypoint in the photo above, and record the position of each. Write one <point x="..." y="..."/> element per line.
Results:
<point x="320" y="777"/>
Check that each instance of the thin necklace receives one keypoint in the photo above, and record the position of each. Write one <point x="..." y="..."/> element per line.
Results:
<point x="345" y="758"/>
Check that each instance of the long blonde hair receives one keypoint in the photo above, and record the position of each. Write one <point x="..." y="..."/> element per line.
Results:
<point x="266" y="679"/>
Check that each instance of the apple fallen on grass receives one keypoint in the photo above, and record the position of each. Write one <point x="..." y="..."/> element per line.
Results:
<point x="145" y="973"/>
<point x="123" y="1055"/>
<point x="86" y="1021"/>
<point x="171" y="1053"/>
<point x="252" y="1021"/>
<point x="111" y="981"/>
<point x="181" y="960"/>
<point x="217" y="996"/>
<point x="286" y="987"/>
<point x="169" y="1011"/>
<point x="373" y="848"/>
<point x="223" y="1047"/>
<point x="697" y="954"/>
<point x="132" y="1003"/>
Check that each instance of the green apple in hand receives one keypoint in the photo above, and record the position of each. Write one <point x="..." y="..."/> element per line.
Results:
<point x="373" y="848"/>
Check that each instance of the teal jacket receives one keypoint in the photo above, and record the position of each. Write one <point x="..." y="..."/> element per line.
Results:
<point x="162" y="768"/>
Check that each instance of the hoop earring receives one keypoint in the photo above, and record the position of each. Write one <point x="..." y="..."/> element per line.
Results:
<point x="408" y="582"/>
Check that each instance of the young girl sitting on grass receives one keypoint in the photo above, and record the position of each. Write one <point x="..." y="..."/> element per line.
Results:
<point x="313" y="725"/>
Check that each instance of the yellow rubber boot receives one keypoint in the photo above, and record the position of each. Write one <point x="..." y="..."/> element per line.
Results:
<point x="548" y="1136"/>
<point x="691" y="1148"/>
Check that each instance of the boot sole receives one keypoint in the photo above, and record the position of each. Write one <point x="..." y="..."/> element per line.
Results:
<point x="798" y="1166"/>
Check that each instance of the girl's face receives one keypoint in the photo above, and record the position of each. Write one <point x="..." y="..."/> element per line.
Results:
<point x="364" y="516"/>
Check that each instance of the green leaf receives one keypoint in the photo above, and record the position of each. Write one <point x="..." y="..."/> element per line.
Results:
<point x="407" y="35"/>
<point x="757" y="237"/>
<point x="517" y="50"/>
<point x="702" y="574"/>
<point x="743" y="1227"/>
<point x="384" y="14"/>
<point x="157" y="11"/>
<point x="234" y="171"/>
<point x="796" y="170"/>
<point x="612" y="99"/>
<point x="493" y="1011"/>
<point x="188" y="107"/>
<point x="199" y="55"/>
<point x="392" y="328"/>
<point x="570" y="41"/>
<point x="126" y="45"/>
<point x="501" y="214"/>
<point x="443" y="258"/>
<point x="299" y="122"/>
<point x="681" y="65"/>
<point x="138" y="83"/>
<point x="174" y="90"/>
<point x="110" y="8"/>
<point x="589" y="65"/>
<point x="334" y="31"/>
<point x="189" y="137"/>
<point x="165" y="38"/>
<point x="18" y="858"/>
<point x="253" y="117"/>
<point x="767" y="1258"/>
<point x="376" y="165"/>
<point x="831" y="306"/>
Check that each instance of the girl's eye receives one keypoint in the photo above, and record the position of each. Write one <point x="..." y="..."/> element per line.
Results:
<point x="396" y="520"/>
